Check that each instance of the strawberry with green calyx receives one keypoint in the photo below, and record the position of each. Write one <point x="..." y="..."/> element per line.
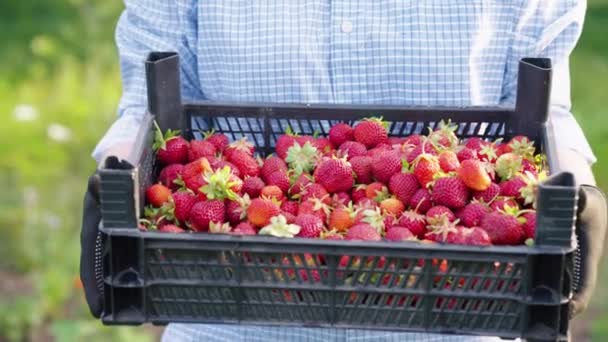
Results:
<point x="272" y="191"/>
<point x="374" y="218"/>
<point x="236" y="210"/>
<point x="489" y="152"/>
<point x="179" y="208"/>
<point x="219" y="228"/>
<point x="377" y="191"/>
<point x="299" y="184"/>
<point x="153" y="218"/>
<point x="444" y="135"/>
<point x="323" y="146"/>
<point x="312" y="191"/>
<point x="508" y="165"/>
<point x="279" y="227"/>
<point x="221" y="185"/>
<point x="170" y="148"/>
<point x="169" y="174"/>
<point x="343" y="217"/>
<point x="530" y="189"/>
<point x="284" y="142"/>
<point x="500" y="202"/>
<point x="425" y="167"/>
<point x="403" y="185"/>
<point x="242" y="145"/>
<point x="358" y="193"/>
<point x="371" y="132"/>
<point x="316" y="207"/>
<point x="489" y="195"/>
<point x="205" y="212"/>
<point x="219" y="140"/>
<point x="302" y="158"/>
<point x="523" y="147"/>
<point x="441" y="228"/>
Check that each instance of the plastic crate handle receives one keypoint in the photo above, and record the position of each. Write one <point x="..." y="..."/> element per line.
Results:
<point x="90" y="244"/>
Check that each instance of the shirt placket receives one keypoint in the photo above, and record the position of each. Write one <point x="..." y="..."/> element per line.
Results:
<point x="347" y="57"/>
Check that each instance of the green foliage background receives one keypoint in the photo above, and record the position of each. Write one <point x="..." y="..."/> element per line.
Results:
<point x="58" y="60"/>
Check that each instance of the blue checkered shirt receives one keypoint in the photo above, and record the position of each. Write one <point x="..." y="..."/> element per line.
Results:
<point x="405" y="52"/>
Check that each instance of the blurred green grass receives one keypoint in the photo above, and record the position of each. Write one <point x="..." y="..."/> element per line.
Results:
<point x="58" y="91"/>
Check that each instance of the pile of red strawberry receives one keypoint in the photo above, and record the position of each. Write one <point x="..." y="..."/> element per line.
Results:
<point x="356" y="184"/>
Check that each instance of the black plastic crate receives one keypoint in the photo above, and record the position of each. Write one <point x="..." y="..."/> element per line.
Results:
<point x="514" y="291"/>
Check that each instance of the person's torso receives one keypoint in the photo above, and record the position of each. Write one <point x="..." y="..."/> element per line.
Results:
<point x="416" y="52"/>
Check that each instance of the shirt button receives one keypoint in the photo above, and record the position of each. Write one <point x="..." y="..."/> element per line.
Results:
<point x="347" y="26"/>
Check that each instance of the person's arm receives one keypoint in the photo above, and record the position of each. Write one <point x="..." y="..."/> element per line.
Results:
<point x="146" y="26"/>
<point x="551" y="28"/>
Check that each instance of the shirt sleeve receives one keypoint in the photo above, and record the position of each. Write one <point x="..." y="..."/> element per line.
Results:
<point x="145" y="26"/>
<point x="550" y="29"/>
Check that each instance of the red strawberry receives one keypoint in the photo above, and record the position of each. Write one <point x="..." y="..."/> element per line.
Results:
<point x="376" y="191"/>
<point x="414" y="222"/>
<point x="311" y="226"/>
<point x="421" y="200"/>
<point x="503" y="229"/>
<point x="200" y="148"/>
<point x="374" y="152"/>
<point x="474" y="175"/>
<point x="252" y="186"/>
<point x="246" y="164"/>
<point x="502" y="149"/>
<point x="315" y="190"/>
<point x="414" y="139"/>
<point x="279" y="179"/>
<point x="171" y="228"/>
<point x="500" y="203"/>
<point x="341" y="218"/>
<point x="370" y="132"/>
<point x="241" y="145"/>
<point x="404" y="186"/>
<point x="218" y="164"/>
<point x="438" y="211"/>
<point x="385" y="165"/>
<point x="362" y="167"/>
<point x="529" y="226"/>
<point x="392" y="141"/>
<point x="244" y="228"/>
<point x="323" y="146"/>
<point x="303" y="139"/>
<point x="340" y="199"/>
<point x="466" y="154"/>
<point x="444" y="135"/>
<point x="236" y="211"/>
<point x="512" y="187"/>
<point x="358" y="193"/>
<point x="300" y="184"/>
<point x="170" y="148"/>
<point x="158" y="194"/>
<point x="205" y="212"/>
<point x="476" y="236"/>
<point x="289" y="217"/>
<point x="475" y="143"/>
<point x="290" y="207"/>
<point x="451" y="192"/>
<point x="528" y="166"/>
<point x="260" y="211"/>
<point x="272" y="192"/>
<point x="441" y="229"/>
<point x="219" y="140"/>
<point x="448" y="161"/>
<point x="363" y="231"/>
<point x="351" y="149"/>
<point x="426" y="166"/>
<point x="272" y="164"/>
<point x="182" y="204"/>
<point x="169" y="174"/>
<point x="472" y="214"/>
<point x="340" y="133"/>
<point x="488" y="195"/>
<point x="397" y="233"/>
<point x="392" y="206"/>
<point x="425" y="147"/>
<point x="284" y="142"/>
<point x="335" y="175"/>
<point x="314" y="207"/>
